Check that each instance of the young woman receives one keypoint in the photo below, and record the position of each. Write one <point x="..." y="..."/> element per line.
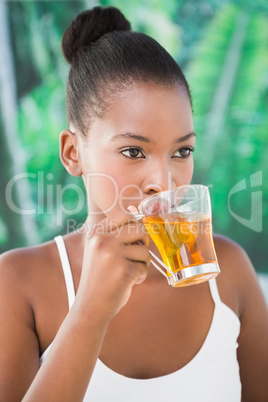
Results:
<point x="86" y="317"/>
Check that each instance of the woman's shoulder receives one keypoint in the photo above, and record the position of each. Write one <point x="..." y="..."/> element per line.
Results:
<point x="239" y="281"/>
<point x="232" y="255"/>
<point x="233" y="259"/>
<point x="27" y="258"/>
<point x="21" y="269"/>
<point x="239" y="276"/>
<point x="228" y="247"/>
<point x="35" y="264"/>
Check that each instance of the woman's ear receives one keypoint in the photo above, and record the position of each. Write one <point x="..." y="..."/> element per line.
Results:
<point x="69" y="152"/>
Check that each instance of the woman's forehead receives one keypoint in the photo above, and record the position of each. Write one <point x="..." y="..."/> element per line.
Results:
<point x="148" y="103"/>
<point x="147" y="111"/>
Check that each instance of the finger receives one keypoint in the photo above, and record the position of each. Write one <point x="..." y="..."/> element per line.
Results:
<point x="132" y="232"/>
<point x="137" y="271"/>
<point x="130" y="214"/>
<point x="137" y="253"/>
<point x="122" y="217"/>
<point x="104" y="226"/>
<point x="107" y="225"/>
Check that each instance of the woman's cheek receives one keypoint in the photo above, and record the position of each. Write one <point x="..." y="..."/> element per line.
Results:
<point x="184" y="173"/>
<point x="103" y="191"/>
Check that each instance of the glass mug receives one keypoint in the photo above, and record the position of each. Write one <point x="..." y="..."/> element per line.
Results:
<point x="179" y="223"/>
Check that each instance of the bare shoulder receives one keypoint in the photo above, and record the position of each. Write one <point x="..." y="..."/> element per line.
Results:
<point x="22" y="278"/>
<point x="240" y="279"/>
<point x="234" y="261"/>
<point x="24" y="265"/>
<point x="229" y="251"/>
<point x="34" y="277"/>
<point x="30" y="253"/>
<point x="238" y="273"/>
<point x="21" y="270"/>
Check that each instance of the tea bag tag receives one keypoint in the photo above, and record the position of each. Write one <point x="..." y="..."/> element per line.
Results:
<point x="133" y="210"/>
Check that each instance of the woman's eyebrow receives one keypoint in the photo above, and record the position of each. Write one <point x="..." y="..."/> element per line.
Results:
<point x="186" y="137"/>
<point x="146" y="139"/>
<point x="132" y="136"/>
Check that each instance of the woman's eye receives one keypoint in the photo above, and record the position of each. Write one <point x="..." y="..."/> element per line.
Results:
<point x="183" y="153"/>
<point x="134" y="153"/>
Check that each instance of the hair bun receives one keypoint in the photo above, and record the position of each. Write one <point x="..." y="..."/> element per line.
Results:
<point x="89" y="26"/>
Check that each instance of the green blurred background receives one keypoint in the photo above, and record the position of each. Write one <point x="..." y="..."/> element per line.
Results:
<point x="222" y="46"/>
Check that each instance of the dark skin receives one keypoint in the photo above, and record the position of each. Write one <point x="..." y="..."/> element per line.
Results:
<point x="135" y="305"/>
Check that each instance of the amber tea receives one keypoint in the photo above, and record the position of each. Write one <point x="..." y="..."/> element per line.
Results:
<point x="179" y="223"/>
<point x="182" y="242"/>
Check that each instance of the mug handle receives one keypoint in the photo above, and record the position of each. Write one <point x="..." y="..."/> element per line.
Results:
<point x="173" y="274"/>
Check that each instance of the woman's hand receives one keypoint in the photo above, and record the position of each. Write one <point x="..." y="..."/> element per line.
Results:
<point x="116" y="257"/>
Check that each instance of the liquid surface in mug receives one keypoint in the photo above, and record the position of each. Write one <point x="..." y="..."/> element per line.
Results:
<point x="183" y="241"/>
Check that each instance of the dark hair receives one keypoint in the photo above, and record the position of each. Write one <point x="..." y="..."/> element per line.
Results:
<point x="105" y="58"/>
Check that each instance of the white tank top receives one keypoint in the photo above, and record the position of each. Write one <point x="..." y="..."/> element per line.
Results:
<point x="211" y="376"/>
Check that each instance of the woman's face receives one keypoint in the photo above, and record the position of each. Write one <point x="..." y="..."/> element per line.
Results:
<point x="143" y="144"/>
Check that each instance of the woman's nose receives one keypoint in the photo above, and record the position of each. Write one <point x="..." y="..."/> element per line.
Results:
<point x="158" y="179"/>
